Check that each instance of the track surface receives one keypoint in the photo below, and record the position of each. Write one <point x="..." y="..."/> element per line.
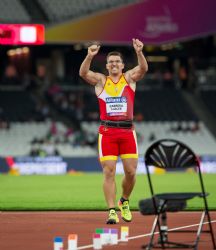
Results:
<point x="36" y="230"/>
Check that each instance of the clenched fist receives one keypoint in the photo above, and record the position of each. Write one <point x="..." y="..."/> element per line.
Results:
<point x="138" y="45"/>
<point x="93" y="49"/>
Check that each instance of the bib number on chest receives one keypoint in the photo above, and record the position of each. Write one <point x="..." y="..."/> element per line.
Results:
<point x="116" y="106"/>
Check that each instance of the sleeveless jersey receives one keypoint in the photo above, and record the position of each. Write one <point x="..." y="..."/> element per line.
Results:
<point x="116" y="101"/>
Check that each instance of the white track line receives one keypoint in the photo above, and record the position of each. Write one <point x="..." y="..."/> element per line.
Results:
<point x="145" y="235"/>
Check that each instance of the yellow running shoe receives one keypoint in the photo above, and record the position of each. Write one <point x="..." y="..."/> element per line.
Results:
<point x="125" y="211"/>
<point x="113" y="217"/>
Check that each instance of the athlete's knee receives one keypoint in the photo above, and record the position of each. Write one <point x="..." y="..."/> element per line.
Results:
<point x="130" y="165"/>
<point x="130" y="173"/>
<point x="109" y="172"/>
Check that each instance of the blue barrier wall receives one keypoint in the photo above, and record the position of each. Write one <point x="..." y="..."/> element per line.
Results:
<point x="4" y="167"/>
<point x="58" y="165"/>
<point x="89" y="164"/>
<point x="49" y="165"/>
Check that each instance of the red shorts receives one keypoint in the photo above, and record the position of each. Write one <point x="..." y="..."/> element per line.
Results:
<point x="114" y="142"/>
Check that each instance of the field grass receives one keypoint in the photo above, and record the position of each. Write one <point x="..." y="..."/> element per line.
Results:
<point x="84" y="192"/>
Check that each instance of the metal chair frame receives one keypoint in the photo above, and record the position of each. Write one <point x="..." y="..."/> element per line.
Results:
<point x="169" y="153"/>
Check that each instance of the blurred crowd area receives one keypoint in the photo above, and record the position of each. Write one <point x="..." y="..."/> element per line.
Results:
<point x="39" y="84"/>
<point x="180" y="65"/>
<point x="50" y="73"/>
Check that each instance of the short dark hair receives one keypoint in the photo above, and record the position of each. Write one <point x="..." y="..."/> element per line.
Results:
<point x="115" y="53"/>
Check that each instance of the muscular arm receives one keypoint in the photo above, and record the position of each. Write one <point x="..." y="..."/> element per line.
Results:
<point x="88" y="75"/>
<point x="139" y="71"/>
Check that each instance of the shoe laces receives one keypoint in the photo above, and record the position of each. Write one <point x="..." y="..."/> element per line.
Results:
<point x="112" y="213"/>
<point x="125" y="207"/>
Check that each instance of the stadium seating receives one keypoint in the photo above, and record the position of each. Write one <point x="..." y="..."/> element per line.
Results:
<point x="17" y="105"/>
<point x="17" y="11"/>
<point x="14" y="11"/>
<point x="163" y="105"/>
<point x="165" y="114"/>
<point x="209" y="98"/>
<point x="62" y="10"/>
<point x="153" y="105"/>
<point x="187" y="132"/>
<point x="17" y="140"/>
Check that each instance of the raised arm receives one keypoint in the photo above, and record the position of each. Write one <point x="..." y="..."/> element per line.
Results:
<point x="139" y="71"/>
<point x="85" y="72"/>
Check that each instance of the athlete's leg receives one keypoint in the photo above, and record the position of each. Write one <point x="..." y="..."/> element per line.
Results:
<point x="108" y="155"/>
<point x="109" y="184"/>
<point x="128" y="182"/>
<point x="109" y="188"/>
<point x="129" y="156"/>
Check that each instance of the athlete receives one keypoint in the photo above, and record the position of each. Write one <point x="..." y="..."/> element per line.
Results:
<point x="117" y="137"/>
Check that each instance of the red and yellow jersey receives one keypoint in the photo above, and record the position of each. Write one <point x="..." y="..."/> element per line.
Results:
<point x="116" y="101"/>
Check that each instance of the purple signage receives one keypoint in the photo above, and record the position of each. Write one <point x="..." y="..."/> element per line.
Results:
<point x="152" y="21"/>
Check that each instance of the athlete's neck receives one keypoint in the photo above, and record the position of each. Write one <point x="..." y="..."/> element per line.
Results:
<point x="115" y="78"/>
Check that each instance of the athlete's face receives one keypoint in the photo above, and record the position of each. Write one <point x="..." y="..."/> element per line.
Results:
<point x="114" y="65"/>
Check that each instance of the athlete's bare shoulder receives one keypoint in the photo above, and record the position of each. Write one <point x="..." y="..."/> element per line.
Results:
<point x="129" y="80"/>
<point x="100" y="85"/>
